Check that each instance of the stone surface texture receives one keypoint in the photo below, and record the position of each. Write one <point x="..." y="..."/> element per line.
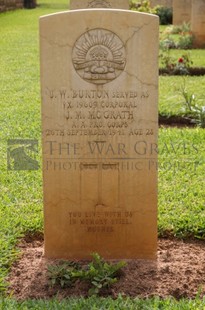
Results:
<point x="182" y="11"/>
<point x="198" y="22"/>
<point x="107" y="4"/>
<point x="99" y="86"/>
<point x="164" y="3"/>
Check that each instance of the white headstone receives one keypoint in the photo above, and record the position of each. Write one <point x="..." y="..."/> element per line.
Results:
<point x="99" y="77"/>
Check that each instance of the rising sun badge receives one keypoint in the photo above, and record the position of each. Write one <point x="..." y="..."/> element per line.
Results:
<point x="99" y="56"/>
<point x="99" y="4"/>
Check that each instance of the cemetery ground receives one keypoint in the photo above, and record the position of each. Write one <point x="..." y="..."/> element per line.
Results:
<point x="179" y="281"/>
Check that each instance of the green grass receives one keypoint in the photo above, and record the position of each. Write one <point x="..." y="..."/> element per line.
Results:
<point x="181" y="191"/>
<point x="170" y="100"/>
<point x="20" y="192"/>
<point x="197" y="56"/>
<point x="95" y="303"/>
<point x="181" y="183"/>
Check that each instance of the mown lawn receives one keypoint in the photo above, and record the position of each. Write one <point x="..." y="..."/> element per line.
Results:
<point x="171" y="101"/>
<point x="196" y="56"/>
<point x="94" y="303"/>
<point x="181" y="160"/>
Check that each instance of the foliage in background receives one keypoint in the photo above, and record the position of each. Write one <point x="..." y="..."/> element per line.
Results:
<point x="179" y="37"/>
<point x="30" y="4"/>
<point x="165" y="15"/>
<point x="185" y="41"/>
<point x="179" y="29"/>
<point x="183" y="64"/>
<point x="167" y="61"/>
<point x="180" y="66"/>
<point x="190" y="106"/>
<point x="99" y="274"/>
<point x="142" y="6"/>
<point x="170" y="100"/>
<point x="197" y="57"/>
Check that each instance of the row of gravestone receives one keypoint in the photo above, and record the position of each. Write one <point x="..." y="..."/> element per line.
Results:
<point x="189" y="11"/>
<point x="193" y="12"/>
<point x="164" y="3"/>
<point x="6" y="5"/>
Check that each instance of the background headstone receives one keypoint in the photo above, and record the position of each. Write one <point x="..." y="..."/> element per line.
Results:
<point x="198" y="22"/>
<point x="100" y="121"/>
<point x="7" y="5"/>
<point x="164" y="3"/>
<point x="182" y="11"/>
<point x="90" y="4"/>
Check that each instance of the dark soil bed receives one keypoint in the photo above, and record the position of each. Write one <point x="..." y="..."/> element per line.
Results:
<point x="179" y="272"/>
<point x="192" y="71"/>
<point x="176" y="121"/>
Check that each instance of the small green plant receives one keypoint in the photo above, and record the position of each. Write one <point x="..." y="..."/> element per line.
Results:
<point x="185" y="41"/>
<point x="63" y="274"/>
<point x="98" y="273"/>
<point x="185" y="60"/>
<point x="167" y="60"/>
<point x="179" y="29"/>
<point x="179" y="37"/>
<point x="191" y="107"/>
<point x="101" y="274"/>
<point x="181" y="66"/>
<point x="167" y="43"/>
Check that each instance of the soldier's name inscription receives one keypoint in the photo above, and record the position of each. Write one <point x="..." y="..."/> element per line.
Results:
<point x="97" y="112"/>
<point x="62" y="94"/>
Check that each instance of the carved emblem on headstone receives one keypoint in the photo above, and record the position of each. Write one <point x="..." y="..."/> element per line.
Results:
<point x="99" y="56"/>
<point x="99" y="4"/>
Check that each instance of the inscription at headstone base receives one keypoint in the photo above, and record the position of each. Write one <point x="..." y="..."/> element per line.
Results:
<point x="99" y="91"/>
<point x="107" y="4"/>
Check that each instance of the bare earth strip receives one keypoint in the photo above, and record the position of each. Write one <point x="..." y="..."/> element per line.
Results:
<point x="178" y="272"/>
